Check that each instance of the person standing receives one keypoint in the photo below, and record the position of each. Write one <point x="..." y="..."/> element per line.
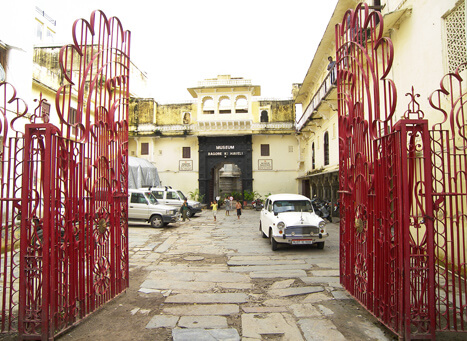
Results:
<point x="214" y="209"/>
<point x="228" y="206"/>
<point x="239" y="209"/>
<point x="184" y="210"/>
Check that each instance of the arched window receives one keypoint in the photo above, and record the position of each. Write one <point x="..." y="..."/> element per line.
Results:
<point x="208" y="106"/>
<point x="326" y="148"/>
<point x="264" y="116"/>
<point x="313" y="155"/>
<point x="241" y="105"/>
<point x="225" y="106"/>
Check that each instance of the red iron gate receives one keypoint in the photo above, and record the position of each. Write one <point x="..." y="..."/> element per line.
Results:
<point x="403" y="189"/>
<point x="66" y="190"/>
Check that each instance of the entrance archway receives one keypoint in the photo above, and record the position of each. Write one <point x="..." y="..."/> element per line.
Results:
<point x="227" y="179"/>
<point x="214" y="153"/>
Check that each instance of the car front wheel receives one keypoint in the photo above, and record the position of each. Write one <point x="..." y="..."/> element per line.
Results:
<point x="320" y="245"/>
<point x="156" y="221"/>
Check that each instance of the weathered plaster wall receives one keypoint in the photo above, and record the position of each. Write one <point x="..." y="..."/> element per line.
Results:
<point x="281" y="178"/>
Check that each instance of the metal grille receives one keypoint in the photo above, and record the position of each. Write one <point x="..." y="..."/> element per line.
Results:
<point x="449" y="159"/>
<point x="456" y="37"/>
<point x="301" y="230"/>
<point x="11" y="148"/>
<point x="67" y="253"/>
<point x="403" y="189"/>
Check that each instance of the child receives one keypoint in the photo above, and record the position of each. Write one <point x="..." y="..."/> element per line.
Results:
<point x="184" y="210"/>
<point x="214" y="209"/>
<point x="239" y="209"/>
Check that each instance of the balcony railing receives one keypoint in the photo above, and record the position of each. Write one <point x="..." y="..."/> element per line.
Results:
<point x="322" y="92"/>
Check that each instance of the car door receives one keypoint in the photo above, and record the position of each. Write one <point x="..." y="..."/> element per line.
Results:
<point x="171" y="198"/>
<point x="266" y="216"/>
<point x="138" y="208"/>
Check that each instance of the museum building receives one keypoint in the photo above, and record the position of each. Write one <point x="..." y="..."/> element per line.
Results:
<point x="226" y="140"/>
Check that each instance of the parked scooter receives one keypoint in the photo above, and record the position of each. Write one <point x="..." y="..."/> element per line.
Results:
<point x="257" y="204"/>
<point x="322" y="208"/>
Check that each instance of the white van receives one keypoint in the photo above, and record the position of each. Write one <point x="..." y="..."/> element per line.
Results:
<point x="175" y="197"/>
<point x="143" y="207"/>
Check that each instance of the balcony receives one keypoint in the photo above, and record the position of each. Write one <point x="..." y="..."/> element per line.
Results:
<point x="322" y="93"/>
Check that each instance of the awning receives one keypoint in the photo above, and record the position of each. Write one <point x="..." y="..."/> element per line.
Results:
<point x="394" y="19"/>
<point x="324" y="172"/>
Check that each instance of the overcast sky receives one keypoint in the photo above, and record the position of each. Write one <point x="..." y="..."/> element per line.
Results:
<point x="180" y="42"/>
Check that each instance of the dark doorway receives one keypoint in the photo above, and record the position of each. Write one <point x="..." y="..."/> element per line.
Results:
<point x="306" y="188"/>
<point x="217" y="152"/>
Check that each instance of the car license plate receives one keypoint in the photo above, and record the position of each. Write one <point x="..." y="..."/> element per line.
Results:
<point x="302" y="242"/>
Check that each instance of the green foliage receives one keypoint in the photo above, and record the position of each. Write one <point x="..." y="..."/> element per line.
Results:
<point x="250" y="195"/>
<point x="236" y="195"/>
<point x="194" y="195"/>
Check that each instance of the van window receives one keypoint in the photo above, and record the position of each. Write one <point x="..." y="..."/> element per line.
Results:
<point x="138" y="198"/>
<point x="172" y="195"/>
<point x="181" y="195"/>
<point x="158" y="194"/>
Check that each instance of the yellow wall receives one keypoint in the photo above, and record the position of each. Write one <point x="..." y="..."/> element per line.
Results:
<point x="282" y="177"/>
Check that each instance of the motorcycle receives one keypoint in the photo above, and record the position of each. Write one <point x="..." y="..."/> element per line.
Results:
<point x="336" y="208"/>
<point x="322" y="208"/>
<point x="257" y="204"/>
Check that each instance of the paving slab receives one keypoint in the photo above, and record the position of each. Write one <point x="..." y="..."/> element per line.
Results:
<point x="318" y="280"/>
<point x="270" y="268"/>
<point x="149" y="247"/>
<point x="277" y="302"/>
<point x="282" y="274"/>
<point x="325" y="273"/>
<point x="208" y="298"/>
<point x="202" y="322"/>
<point x="238" y="286"/>
<point x="199" y="334"/>
<point x="282" y="284"/>
<point x="320" y="330"/>
<point x="162" y="321"/>
<point x="166" y="244"/>
<point x="305" y="310"/>
<point x="261" y="310"/>
<point x="325" y="311"/>
<point x="177" y="285"/>
<point x="172" y="275"/>
<point x="202" y="309"/>
<point x="295" y="291"/>
<point x="239" y="262"/>
<point x="260" y="326"/>
<point x="221" y="277"/>
<point x="317" y="297"/>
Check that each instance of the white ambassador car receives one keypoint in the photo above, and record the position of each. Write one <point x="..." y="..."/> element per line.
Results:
<point x="290" y="219"/>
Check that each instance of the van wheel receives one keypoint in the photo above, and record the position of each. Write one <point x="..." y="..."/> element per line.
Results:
<point x="274" y="244"/>
<point x="320" y="245"/>
<point x="189" y="214"/>
<point x="156" y="221"/>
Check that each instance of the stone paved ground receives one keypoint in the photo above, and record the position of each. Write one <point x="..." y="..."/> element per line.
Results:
<point x="206" y="280"/>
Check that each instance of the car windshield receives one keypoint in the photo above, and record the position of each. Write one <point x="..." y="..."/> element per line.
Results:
<point x="292" y="206"/>
<point x="151" y="198"/>
<point x="181" y="195"/>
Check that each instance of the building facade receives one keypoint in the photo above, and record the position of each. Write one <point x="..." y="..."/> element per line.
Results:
<point x="224" y="141"/>
<point x="429" y="39"/>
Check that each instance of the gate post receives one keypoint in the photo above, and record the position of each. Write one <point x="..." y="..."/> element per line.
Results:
<point x="417" y="238"/>
<point x="35" y="270"/>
